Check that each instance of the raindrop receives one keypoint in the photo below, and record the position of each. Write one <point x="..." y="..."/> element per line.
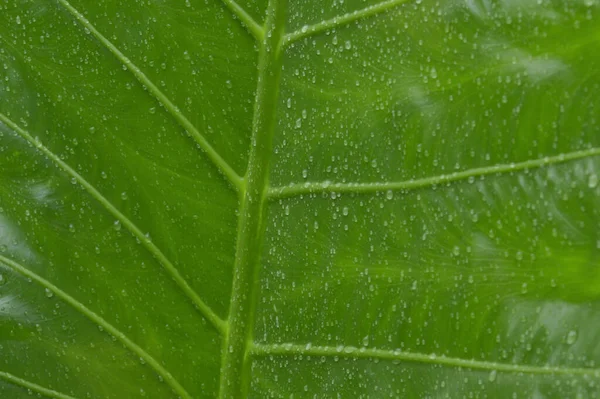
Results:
<point x="571" y="337"/>
<point x="389" y="194"/>
<point x="593" y="180"/>
<point x="493" y="375"/>
<point x="124" y="195"/>
<point x="49" y="294"/>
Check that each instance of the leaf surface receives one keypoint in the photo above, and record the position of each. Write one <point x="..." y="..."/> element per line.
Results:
<point x="356" y="199"/>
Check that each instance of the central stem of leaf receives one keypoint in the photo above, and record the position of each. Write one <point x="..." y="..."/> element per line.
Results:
<point x="234" y="367"/>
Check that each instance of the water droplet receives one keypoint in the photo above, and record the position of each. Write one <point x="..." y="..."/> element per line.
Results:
<point x="492" y="376"/>
<point x="593" y="180"/>
<point x="72" y="228"/>
<point x="389" y="194"/>
<point x="433" y="73"/>
<point x="365" y="340"/>
<point x="571" y="337"/>
<point x="49" y="294"/>
<point x="124" y="195"/>
<point x="117" y="225"/>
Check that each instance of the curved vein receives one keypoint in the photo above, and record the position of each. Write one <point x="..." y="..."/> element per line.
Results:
<point x="204" y="309"/>
<point x="49" y="393"/>
<point x="341" y="20"/>
<point x="320" y="187"/>
<point x="247" y="21"/>
<point x="81" y="308"/>
<point x="350" y="352"/>
<point x="173" y="110"/>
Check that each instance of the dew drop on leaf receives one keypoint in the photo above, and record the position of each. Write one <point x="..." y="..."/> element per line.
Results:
<point x="593" y="180"/>
<point x="571" y="337"/>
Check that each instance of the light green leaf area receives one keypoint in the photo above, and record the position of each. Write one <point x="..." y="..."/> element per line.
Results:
<point x="300" y="199"/>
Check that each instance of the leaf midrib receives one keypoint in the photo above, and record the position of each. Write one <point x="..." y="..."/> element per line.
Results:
<point x="234" y="379"/>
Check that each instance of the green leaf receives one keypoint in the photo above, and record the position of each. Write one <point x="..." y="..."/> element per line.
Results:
<point x="300" y="199"/>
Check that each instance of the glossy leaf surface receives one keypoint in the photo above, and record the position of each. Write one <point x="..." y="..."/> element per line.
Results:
<point x="300" y="199"/>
